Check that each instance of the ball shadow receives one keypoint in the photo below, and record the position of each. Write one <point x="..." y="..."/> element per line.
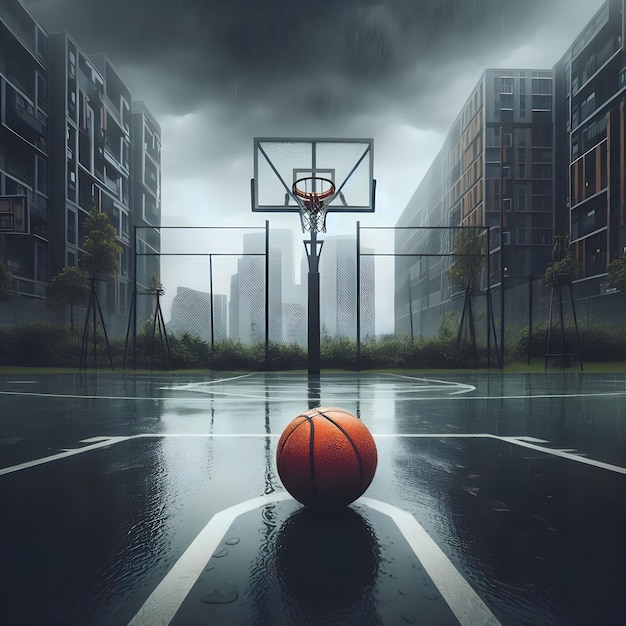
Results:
<point x="327" y="563"/>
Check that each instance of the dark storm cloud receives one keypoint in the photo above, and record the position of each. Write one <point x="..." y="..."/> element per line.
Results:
<point x="217" y="73"/>
<point x="331" y="57"/>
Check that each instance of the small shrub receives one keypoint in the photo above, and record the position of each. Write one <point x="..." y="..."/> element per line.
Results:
<point x="40" y="344"/>
<point x="598" y="342"/>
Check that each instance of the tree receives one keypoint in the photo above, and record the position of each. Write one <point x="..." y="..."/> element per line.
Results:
<point x="7" y="291"/>
<point x="155" y="284"/>
<point x="101" y="258"/>
<point x="69" y="287"/>
<point x="617" y="274"/>
<point x="465" y="272"/>
<point x="102" y="253"/>
<point x="563" y="261"/>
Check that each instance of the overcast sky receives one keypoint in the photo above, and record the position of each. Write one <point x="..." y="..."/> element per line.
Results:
<point x="217" y="73"/>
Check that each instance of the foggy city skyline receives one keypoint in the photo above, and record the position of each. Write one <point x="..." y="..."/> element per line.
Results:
<point x="216" y="75"/>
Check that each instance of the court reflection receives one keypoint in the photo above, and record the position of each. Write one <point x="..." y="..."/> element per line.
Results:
<point x="271" y="482"/>
<point x="314" y="389"/>
<point x="327" y="566"/>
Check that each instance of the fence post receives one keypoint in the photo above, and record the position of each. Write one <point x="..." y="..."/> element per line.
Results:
<point x="358" y="295"/>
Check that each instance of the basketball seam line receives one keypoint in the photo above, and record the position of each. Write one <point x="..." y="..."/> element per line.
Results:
<point x="312" y="458"/>
<point x="351" y="441"/>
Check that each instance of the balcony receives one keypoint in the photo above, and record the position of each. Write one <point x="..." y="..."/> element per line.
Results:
<point x="113" y="184"/>
<point x="20" y="77"/>
<point x="21" y="24"/>
<point x="32" y="120"/>
<point x="112" y="155"/>
<point x="151" y="178"/>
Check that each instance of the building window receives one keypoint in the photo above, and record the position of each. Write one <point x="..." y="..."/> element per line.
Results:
<point x="125" y="225"/>
<point x="42" y="92"/>
<point x="71" y="227"/>
<point x="13" y="214"/>
<point x="506" y="85"/>
<point x="541" y="236"/>
<point x="541" y="86"/>
<point x="522" y="105"/>
<point x="42" y="175"/>
<point x="7" y="219"/>
<point x="542" y="103"/>
<point x="542" y="170"/>
<point x="493" y="137"/>
<point x="506" y="101"/>
<point x="41" y="265"/>
<point x="588" y="106"/>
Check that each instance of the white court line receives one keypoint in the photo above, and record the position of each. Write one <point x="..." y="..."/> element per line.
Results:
<point x="455" y="590"/>
<point x="161" y="606"/>
<point x="198" y="385"/>
<point x="522" y="441"/>
<point x="330" y="397"/>
<point x="62" y="455"/>
<point x="163" y="603"/>
<point x="564" y="455"/>
<point x="81" y="397"/>
<point x="464" y="387"/>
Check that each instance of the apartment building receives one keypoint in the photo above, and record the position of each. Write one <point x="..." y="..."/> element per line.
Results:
<point x="72" y="138"/>
<point x="494" y="171"/>
<point x="25" y="150"/>
<point x="590" y="148"/>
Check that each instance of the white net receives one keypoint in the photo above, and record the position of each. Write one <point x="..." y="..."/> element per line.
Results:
<point x="313" y="216"/>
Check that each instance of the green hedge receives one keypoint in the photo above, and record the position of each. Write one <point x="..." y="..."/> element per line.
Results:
<point x="45" y="344"/>
<point x="42" y="344"/>
<point x="597" y="342"/>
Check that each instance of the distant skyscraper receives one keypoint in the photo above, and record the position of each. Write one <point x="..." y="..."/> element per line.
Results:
<point x="191" y="314"/>
<point x="368" y="295"/>
<point x="338" y="289"/>
<point x="294" y="323"/>
<point x="220" y="316"/>
<point x="247" y="306"/>
<point x="247" y="321"/>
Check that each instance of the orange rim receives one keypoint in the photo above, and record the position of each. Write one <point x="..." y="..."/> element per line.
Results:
<point x="316" y="196"/>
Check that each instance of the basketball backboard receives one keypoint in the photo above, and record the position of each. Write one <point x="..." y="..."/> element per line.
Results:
<point x="280" y="162"/>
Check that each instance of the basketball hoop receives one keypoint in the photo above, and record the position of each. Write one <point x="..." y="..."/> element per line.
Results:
<point x="313" y="212"/>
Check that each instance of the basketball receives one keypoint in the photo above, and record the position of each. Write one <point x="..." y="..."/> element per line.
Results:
<point x="326" y="458"/>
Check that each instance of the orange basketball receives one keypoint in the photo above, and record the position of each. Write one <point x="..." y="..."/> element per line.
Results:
<point x="326" y="458"/>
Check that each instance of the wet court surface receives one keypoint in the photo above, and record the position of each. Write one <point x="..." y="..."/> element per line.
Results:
<point x="155" y="499"/>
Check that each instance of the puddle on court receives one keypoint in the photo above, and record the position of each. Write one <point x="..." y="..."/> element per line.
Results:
<point x="539" y="537"/>
<point x="297" y="566"/>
